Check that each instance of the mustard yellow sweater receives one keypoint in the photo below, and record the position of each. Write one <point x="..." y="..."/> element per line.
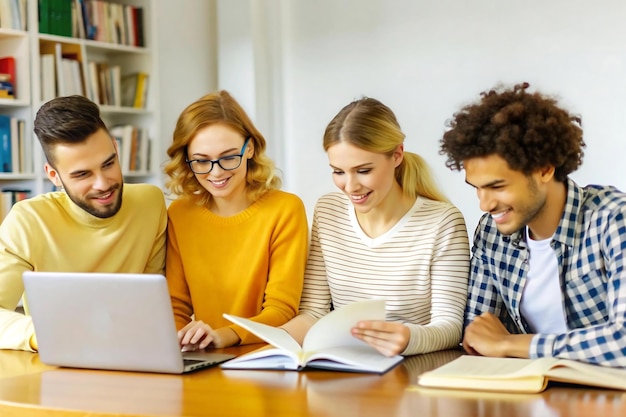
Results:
<point x="250" y="265"/>
<point x="50" y="233"/>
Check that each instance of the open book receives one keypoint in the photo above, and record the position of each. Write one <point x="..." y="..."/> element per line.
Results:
<point x="328" y="344"/>
<point x="519" y="375"/>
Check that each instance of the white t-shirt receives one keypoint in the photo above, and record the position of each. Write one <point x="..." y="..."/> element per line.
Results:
<point x="542" y="299"/>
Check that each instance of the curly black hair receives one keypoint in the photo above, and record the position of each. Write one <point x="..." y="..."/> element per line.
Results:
<point x="528" y="130"/>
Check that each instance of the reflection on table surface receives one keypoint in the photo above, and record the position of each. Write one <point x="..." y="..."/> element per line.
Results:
<point x="28" y="387"/>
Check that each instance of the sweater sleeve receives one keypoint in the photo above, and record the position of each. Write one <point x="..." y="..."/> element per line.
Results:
<point x="316" y="298"/>
<point x="449" y="271"/>
<point x="176" y="282"/>
<point x="156" y="262"/>
<point x="287" y="259"/>
<point x="15" y="328"/>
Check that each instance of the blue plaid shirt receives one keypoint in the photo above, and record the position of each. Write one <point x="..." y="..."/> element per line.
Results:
<point x="589" y="244"/>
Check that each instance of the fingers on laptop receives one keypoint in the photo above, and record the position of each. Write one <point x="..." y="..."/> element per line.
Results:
<point x="196" y="335"/>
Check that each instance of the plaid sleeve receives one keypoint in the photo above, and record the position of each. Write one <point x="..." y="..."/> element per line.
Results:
<point x="601" y="281"/>
<point x="482" y="294"/>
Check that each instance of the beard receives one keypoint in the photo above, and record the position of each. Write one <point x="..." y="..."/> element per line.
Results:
<point x="527" y="212"/>
<point x="102" y="211"/>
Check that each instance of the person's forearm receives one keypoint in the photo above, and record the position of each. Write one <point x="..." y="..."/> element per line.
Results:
<point x="517" y="345"/>
<point x="299" y="326"/>
<point x="226" y="337"/>
<point x="16" y="331"/>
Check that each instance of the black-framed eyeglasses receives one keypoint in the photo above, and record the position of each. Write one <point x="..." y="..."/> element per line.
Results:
<point x="227" y="163"/>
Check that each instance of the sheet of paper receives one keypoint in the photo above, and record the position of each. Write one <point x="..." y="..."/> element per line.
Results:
<point x="273" y="335"/>
<point x="334" y="328"/>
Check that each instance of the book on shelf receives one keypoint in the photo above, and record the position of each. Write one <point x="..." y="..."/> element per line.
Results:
<point x="48" y="77"/>
<point x="115" y="81"/>
<point x="68" y="70"/>
<point x="44" y="16"/>
<point x="58" y="66"/>
<point x="25" y="158"/>
<point x="134" y="90"/>
<point x="132" y="147"/>
<point x="13" y="14"/>
<point x="93" y="83"/>
<point x="73" y="78"/>
<point x="5" y="144"/>
<point x="7" y="77"/>
<point x="55" y="17"/>
<point x="139" y="27"/>
<point x="15" y="146"/>
<point x="108" y="21"/>
<point x="123" y="135"/>
<point x="78" y="20"/>
<point x="519" y="375"/>
<point x="104" y="83"/>
<point x="328" y="344"/>
<point x="10" y="196"/>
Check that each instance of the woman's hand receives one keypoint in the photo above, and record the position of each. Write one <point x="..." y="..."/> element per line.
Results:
<point x="389" y="338"/>
<point x="196" y="335"/>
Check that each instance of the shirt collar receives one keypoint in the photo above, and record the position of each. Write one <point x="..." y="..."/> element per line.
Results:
<point x="568" y="225"/>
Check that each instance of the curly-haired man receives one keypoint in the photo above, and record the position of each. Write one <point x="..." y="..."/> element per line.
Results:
<point x="548" y="273"/>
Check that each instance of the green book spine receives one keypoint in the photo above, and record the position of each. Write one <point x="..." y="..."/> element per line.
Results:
<point x="44" y="16"/>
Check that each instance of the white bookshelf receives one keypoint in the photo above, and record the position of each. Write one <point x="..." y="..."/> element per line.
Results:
<point x="26" y="46"/>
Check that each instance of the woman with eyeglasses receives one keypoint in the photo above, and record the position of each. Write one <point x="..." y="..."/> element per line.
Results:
<point x="388" y="234"/>
<point x="236" y="243"/>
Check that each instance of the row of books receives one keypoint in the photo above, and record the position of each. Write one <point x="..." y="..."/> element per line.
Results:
<point x="62" y="75"/>
<point x="93" y="19"/>
<point x="133" y="144"/>
<point x="14" y="149"/>
<point x="8" y="197"/>
<point x="106" y="86"/>
<point x="13" y="14"/>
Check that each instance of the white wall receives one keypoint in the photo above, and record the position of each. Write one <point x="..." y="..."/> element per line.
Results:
<point x="186" y="56"/>
<point x="425" y="59"/>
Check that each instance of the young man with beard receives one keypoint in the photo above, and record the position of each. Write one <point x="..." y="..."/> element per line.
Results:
<point x="94" y="224"/>
<point x="547" y="270"/>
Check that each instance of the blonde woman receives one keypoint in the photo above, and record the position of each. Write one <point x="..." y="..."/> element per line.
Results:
<point x="389" y="233"/>
<point x="236" y="244"/>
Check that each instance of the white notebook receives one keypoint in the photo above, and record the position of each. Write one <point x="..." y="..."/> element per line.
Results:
<point x="108" y="321"/>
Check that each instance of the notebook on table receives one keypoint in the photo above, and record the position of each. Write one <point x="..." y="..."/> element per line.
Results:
<point x="108" y="321"/>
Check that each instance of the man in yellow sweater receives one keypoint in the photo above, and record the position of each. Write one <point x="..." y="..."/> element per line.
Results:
<point x="96" y="223"/>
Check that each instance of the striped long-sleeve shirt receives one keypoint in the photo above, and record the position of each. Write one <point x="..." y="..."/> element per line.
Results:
<point x="420" y="266"/>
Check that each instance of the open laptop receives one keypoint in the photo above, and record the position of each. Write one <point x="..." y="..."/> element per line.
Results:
<point x="108" y="321"/>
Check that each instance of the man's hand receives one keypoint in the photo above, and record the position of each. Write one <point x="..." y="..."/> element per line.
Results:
<point x="487" y="336"/>
<point x="388" y="338"/>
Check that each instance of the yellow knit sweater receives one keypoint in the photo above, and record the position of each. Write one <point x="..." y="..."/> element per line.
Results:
<point x="51" y="233"/>
<point x="250" y="264"/>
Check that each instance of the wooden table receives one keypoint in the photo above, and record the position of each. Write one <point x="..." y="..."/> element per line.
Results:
<point x="29" y="388"/>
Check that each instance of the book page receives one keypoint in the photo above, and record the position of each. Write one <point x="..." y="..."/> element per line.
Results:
<point x="353" y="358"/>
<point x="334" y="328"/>
<point x="494" y="368"/>
<point x="273" y="335"/>
<point x="587" y="374"/>
<point x="267" y="357"/>
<point x="489" y="374"/>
